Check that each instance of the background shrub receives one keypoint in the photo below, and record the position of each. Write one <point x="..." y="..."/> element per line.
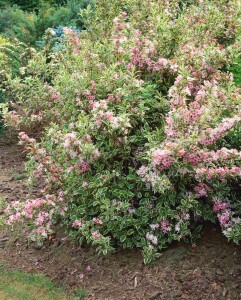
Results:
<point x="28" y="5"/>
<point x="15" y="23"/>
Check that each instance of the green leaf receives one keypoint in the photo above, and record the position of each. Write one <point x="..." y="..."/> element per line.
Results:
<point x="130" y="231"/>
<point x="122" y="238"/>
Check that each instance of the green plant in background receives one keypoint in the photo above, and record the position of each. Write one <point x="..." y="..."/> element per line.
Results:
<point x="4" y="3"/>
<point x="13" y="56"/>
<point x="67" y="15"/>
<point x="28" y="5"/>
<point x="34" y="5"/>
<point x="75" y="7"/>
<point x="51" y="17"/>
<point x="27" y="21"/>
<point x="15" y="23"/>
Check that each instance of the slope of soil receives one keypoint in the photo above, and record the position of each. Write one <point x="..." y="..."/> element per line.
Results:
<point x="210" y="270"/>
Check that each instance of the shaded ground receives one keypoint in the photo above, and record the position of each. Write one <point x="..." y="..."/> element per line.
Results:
<point x="211" y="270"/>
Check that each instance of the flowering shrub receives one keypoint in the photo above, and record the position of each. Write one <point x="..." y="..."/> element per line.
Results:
<point x="127" y="127"/>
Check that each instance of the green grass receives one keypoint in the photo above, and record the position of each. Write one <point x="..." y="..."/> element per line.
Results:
<point x="20" y="176"/>
<point x="16" y="285"/>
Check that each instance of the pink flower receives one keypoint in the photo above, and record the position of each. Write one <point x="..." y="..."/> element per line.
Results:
<point x="97" y="221"/>
<point x="224" y="218"/>
<point x="88" y="269"/>
<point x="165" y="226"/>
<point x="162" y="158"/>
<point x="77" y="223"/>
<point x="42" y="231"/>
<point x="41" y="151"/>
<point x="96" y="153"/>
<point x="109" y="115"/>
<point x="163" y="62"/>
<point x="219" y="206"/>
<point x="181" y="152"/>
<point x="84" y="184"/>
<point x="95" y="235"/>
<point x="66" y="143"/>
<point x="124" y="14"/>
<point x="142" y="171"/>
<point x="55" y="96"/>
<point x="201" y="189"/>
<point x="88" y="138"/>
<point x="98" y="122"/>
<point x="81" y="276"/>
<point x="23" y="135"/>
<point x="111" y="98"/>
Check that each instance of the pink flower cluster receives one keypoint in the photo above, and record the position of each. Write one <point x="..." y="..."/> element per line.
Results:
<point x="165" y="226"/>
<point x="224" y="213"/>
<point x="12" y="118"/>
<point x="98" y="221"/>
<point x="78" y="223"/>
<point x="162" y="159"/>
<point x="102" y="115"/>
<point x="152" y="179"/>
<point x="210" y="136"/>
<point x="188" y="131"/>
<point x="219" y="206"/>
<point x="201" y="190"/>
<point x="141" y="48"/>
<point x="220" y="173"/>
<point x="96" y="235"/>
<point x="25" y="139"/>
<point x="40" y="211"/>
<point x="72" y="35"/>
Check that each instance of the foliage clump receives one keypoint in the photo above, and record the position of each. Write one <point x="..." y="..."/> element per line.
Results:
<point x="16" y="23"/>
<point x="127" y="126"/>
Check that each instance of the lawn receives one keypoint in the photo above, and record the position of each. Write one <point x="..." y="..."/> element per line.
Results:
<point x="15" y="285"/>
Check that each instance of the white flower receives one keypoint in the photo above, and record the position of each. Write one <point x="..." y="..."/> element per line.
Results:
<point x="154" y="226"/>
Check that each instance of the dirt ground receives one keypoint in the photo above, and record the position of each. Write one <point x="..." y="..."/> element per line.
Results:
<point x="211" y="270"/>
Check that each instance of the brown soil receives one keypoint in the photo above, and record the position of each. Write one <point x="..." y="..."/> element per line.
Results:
<point x="211" y="270"/>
